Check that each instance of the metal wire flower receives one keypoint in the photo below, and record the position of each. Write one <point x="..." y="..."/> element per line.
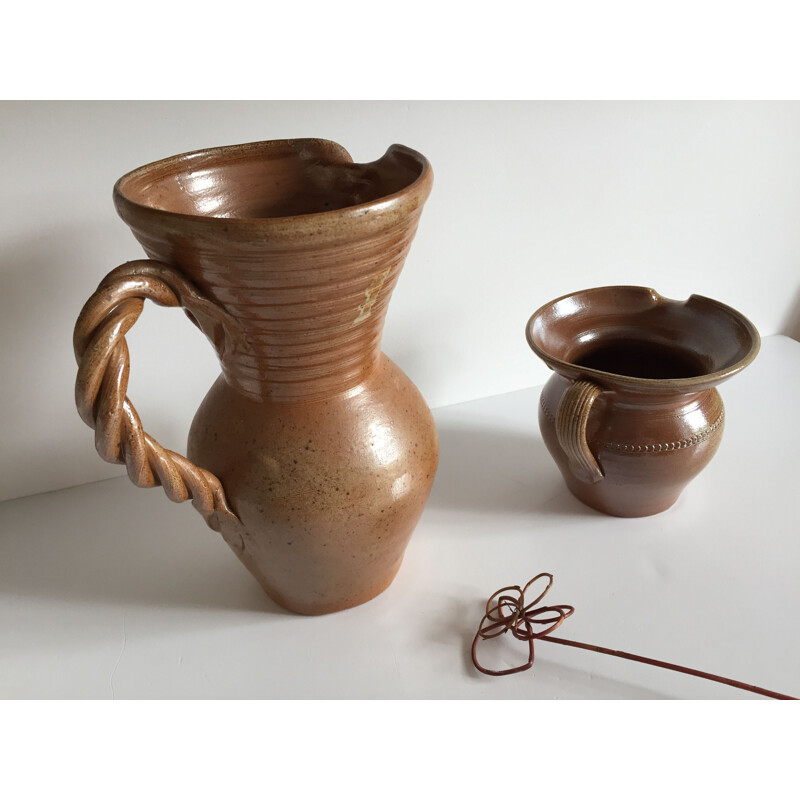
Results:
<point x="506" y="610"/>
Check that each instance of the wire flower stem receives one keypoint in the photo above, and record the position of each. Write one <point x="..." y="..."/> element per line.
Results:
<point x="506" y="610"/>
<point x="666" y="665"/>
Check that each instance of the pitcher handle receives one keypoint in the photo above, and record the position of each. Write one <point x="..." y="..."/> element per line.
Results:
<point x="571" y="421"/>
<point x="102" y="382"/>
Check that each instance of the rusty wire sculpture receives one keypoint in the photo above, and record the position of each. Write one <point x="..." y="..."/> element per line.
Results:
<point x="506" y="610"/>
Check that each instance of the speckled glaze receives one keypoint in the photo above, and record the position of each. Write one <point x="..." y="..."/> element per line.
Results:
<point x="325" y="450"/>
<point x="631" y="414"/>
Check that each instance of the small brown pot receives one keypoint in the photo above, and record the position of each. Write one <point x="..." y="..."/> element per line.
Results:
<point x="632" y="414"/>
<point x="313" y="453"/>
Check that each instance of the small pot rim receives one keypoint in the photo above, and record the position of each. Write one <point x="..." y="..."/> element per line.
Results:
<point x="612" y="379"/>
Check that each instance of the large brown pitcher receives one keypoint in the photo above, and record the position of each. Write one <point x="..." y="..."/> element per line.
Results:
<point x="313" y="454"/>
<point x="632" y="414"/>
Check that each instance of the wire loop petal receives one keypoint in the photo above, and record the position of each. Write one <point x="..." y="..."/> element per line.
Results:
<point x="506" y="610"/>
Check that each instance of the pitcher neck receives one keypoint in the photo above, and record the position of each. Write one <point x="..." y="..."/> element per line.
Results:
<point x="308" y="324"/>
<point x="310" y="356"/>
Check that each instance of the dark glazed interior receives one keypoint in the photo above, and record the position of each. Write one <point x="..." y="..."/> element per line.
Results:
<point x="268" y="179"/>
<point x="633" y="332"/>
<point x="639" y="358"/>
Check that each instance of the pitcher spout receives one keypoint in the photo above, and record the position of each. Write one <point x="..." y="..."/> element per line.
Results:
<point x="262" y="187"/>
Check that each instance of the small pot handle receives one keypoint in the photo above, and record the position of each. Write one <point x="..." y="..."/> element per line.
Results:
<point x="571" y="421"/>
<point x="102" y="382"/>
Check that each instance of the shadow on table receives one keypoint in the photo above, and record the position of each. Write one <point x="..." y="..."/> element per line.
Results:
<point x="110" y="543"/>
<point x="791" y="322"/>
<point x="556" y="680"/>
<point x="496" y="470"/>
<point x="106" y="543"/>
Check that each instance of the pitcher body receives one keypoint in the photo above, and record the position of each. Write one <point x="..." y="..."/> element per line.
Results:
<point x="328" y="492"/>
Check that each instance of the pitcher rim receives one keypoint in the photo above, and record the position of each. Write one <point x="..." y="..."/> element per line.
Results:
<point x="693" y="383"/>
<point x="420" y="186"/>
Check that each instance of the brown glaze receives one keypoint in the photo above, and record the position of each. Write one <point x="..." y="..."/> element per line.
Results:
<point x="632" y="414"/>
<point x="313" y="453"/>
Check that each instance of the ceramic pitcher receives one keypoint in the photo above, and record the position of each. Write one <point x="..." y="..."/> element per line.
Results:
<point x="631" y="413"/>
<point x="313" y="454"/>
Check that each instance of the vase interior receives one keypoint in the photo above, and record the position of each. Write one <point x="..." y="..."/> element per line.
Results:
<point x="266" y="180"/>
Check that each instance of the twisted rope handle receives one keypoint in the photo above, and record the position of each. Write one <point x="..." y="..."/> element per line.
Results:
<point x="102" y="381"/>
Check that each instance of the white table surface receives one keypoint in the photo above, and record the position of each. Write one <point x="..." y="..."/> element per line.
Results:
<point x="107" y="591"/>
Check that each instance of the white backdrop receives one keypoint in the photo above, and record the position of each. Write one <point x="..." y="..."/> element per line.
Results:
<point x="530" y="201"/>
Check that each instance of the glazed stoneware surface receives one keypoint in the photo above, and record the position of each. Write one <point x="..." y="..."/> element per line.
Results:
<point x="631" y="413"/>
<point x="313" y="453"/>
